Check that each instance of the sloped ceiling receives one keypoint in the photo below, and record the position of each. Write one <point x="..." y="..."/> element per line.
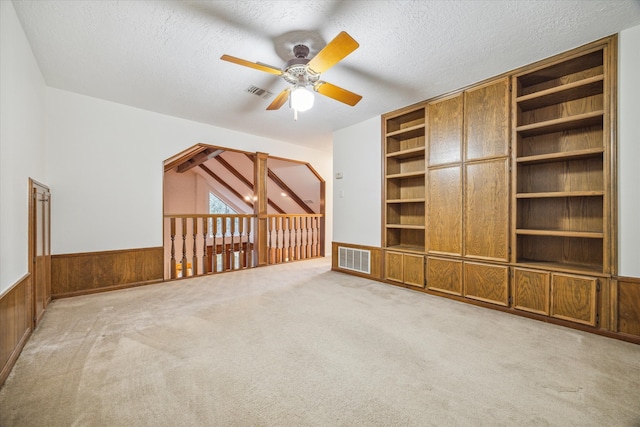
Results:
<point x="292" y="187"/>
<point x="163" y="56"/>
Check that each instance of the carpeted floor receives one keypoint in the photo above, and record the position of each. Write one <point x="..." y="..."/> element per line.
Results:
<point x="299" y="345"/>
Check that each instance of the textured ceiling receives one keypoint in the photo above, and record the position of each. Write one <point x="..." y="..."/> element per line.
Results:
<point x="163" y="56"/>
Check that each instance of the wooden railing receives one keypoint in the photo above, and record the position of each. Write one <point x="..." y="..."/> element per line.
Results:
<point x="293" y="237"/>
<point x="205" y="244"/>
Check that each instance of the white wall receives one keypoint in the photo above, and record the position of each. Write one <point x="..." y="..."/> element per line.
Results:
<point x="357" y="196"/>
<point x="22" y="139"/>
<point x="629" y="152"/>
<point x="106" y="168"/>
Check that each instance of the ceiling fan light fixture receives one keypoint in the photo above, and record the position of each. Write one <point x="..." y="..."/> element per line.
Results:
<point x="301" y="99"/>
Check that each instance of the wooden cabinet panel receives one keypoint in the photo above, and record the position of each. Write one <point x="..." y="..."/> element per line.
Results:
<point x="486" y="119"/>
<point x="444" y="216"/>
<point x="444" y="275"/>
<point x="574" y="298"/>
<point x="445" y="131"/>
<point x="489" y="283"/>
<point x="393" y="266"/>
<point x="404" y="268"/>
<point x="413" y="266"/>
<point x="531" y="290"/>
<point x="486" y="215"/>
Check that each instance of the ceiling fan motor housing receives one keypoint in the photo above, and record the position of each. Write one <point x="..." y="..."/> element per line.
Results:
<point x="296" y="70"/>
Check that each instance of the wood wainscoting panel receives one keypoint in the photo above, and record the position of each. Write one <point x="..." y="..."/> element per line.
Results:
<point x="375" y="261"/>
<point x="629" y="306"/>
<point x="486" y="282"/>
<point x="76" y="274"/>
<point x="15" y="323"/>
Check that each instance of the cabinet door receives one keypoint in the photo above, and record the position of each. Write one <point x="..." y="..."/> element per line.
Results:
<point x="445" y="131"/>
<point x="413" y="266"/>
<point x="486" y="120"/>
<point x="486" y="215"/>
<point x="574" y="298"/>
<point x="444" y="275"/>
<point x="531" y="290"/>
<point x="393" y="266"/>
<point x="489" y="283"/>
<point x="444" y="200"/>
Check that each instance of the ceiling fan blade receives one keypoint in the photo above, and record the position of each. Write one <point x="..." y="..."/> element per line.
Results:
<point x="253" y="65"/>
<point x="280" y="100"/>
<point x="337" y="93"/>
<point x="333" y="53"/>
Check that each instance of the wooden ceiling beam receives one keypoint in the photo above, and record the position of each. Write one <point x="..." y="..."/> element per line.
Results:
<point x="284" y="187"/>
<point x="225" y="185"/>
<point x="245" y="181"/>
<point x="289" y="191"/>
<point x="198" y="159"/>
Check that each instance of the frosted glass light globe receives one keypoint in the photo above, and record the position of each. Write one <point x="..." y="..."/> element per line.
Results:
<point x="301" y="99"/>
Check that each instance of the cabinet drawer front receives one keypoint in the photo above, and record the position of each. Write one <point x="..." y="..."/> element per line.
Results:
<point x="574" y="298"/>
<point x="489" y="283"/>
<point x="444" y="275"/>
<point x="531" y="291"/>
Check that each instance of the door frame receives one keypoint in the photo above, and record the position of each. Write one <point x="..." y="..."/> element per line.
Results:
<point x="36" y="188"/>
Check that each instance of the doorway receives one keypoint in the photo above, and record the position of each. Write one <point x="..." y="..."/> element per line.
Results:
<point x="40" y="247"/>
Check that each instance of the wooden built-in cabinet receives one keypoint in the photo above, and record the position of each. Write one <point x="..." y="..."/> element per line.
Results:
<point x="507" y="189"/>
<point x="468" y="192"/>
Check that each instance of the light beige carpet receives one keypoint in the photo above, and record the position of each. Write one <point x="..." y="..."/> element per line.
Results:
<point x="298" y="345"/>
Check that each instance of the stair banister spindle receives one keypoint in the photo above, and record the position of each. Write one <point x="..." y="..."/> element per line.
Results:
<point x="249" y="243"/>
<point x="184" y="261"/>
<point x="232" y="252"/>
<point x="173" y="273"/>
<point x="214" y="249"/>
<point x="205" y="260"/>
<point x="241" y="244"/>
<point x="224" y="242"/>
<point x="194" y="257"/>
<point x="289" y="254"/>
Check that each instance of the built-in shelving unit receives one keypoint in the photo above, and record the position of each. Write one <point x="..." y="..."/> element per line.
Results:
<point x="404" y="176"/>
<point x="561" y="154"/>
<point x="504" y="192"/>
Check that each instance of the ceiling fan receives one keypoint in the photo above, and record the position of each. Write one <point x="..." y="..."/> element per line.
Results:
<point x="302" y="72"/>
